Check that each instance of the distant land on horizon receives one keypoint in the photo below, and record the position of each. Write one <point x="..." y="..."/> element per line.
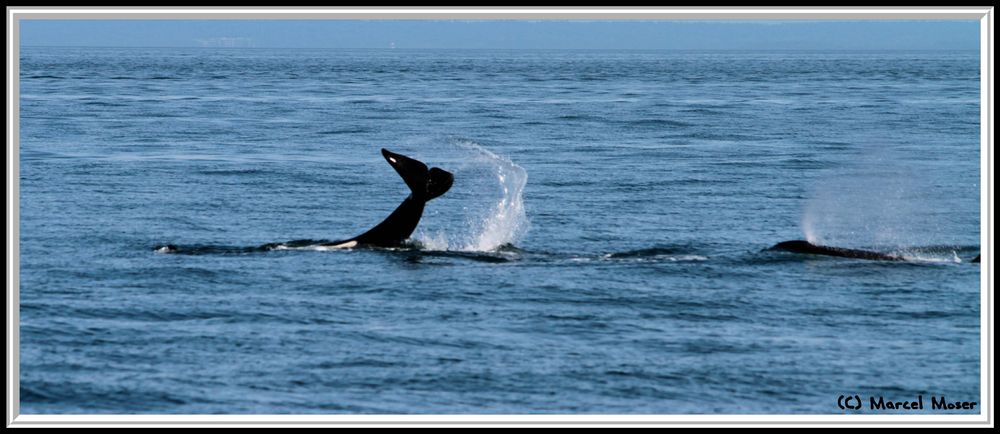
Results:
<point x="515" y="35"/>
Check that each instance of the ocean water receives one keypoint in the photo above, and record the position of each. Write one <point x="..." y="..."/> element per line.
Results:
<point x="603" y="248"/>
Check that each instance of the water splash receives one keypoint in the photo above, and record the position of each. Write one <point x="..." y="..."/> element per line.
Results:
<point x="939" y="254"/>
<point x="489" y="190"/>
<point x="438" y="240"/>
<point x="923" y="257"/>
<point x="507" y="221"/>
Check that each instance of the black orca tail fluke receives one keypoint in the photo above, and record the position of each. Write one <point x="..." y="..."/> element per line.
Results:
<point x="424" y="183"/>
<point x="802" y="246"/>
<point x="438" y="182"/>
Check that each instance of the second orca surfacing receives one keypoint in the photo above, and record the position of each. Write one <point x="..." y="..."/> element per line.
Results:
<point x="802" y="246"/>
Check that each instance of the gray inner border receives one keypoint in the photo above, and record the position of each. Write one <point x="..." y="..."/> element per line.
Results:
<point x="14" y="16"/>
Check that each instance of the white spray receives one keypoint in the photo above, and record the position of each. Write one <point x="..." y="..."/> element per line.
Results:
<point x="490" y="222"/>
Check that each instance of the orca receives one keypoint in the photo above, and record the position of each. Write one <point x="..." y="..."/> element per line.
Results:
<point x="802" y="246"/>
<point x="425" y="184"/>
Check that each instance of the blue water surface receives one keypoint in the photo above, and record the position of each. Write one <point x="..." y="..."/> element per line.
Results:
<point x="602" y="250"/>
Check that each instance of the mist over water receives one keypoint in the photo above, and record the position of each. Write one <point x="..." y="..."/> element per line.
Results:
<point x="864" y="206"/>
<point x="874" y="202"/>
<point x="628" y="274"/>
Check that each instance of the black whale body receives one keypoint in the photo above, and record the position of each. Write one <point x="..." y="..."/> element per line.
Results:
<point x="425" y="184"/>
<point x="802" y="246"/>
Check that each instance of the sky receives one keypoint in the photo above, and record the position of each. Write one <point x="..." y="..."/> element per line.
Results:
<point x="428" y="34"/>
